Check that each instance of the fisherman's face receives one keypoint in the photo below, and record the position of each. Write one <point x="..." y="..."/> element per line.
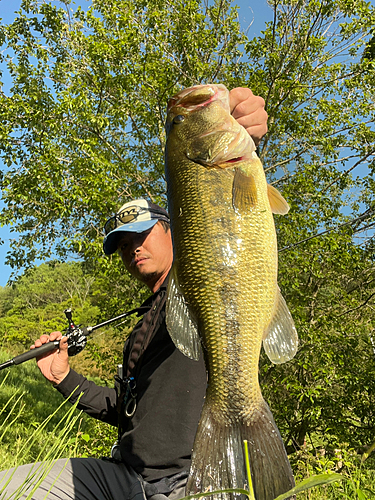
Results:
<point x="147" y="256"/>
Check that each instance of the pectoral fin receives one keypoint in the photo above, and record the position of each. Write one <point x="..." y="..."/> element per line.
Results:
<point x="278" y="203"/>
<point x="280" y="340"/>
<point x="244" y="193"/>
<point x="181" y="324"/>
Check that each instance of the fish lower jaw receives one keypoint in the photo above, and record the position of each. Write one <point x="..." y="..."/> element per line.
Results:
<point x="220" y="162"/>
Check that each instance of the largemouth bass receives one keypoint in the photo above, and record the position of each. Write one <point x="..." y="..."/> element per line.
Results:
<point x="223" y="292"/>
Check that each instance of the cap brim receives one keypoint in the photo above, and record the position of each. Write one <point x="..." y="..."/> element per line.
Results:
<point x="111" y="240"/>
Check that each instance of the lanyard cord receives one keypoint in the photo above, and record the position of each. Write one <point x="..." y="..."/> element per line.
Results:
<point x="126" y="386"/>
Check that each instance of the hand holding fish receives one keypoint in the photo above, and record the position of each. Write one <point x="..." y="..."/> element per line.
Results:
<point x="248" y="110"/>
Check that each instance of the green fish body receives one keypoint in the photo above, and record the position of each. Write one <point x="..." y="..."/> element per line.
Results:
<point x="223" y="292"/>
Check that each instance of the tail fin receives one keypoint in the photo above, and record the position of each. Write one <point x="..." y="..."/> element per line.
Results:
<point x="218" y="460"/>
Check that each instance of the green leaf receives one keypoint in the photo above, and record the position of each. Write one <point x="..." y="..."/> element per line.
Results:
<point x="311" y="482"/>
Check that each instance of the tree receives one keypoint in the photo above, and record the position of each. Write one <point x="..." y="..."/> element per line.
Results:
<point x="320" y="153"/>
<point x="82" y="132"/>
<point x="84" y="125"/>
<point x="35" y="303"/>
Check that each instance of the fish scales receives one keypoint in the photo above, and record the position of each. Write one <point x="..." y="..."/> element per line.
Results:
<point x="222" y="282"/>
<point x="225" y="269"/>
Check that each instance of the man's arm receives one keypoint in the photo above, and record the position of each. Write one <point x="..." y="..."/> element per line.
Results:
<point x="248" y="110"/>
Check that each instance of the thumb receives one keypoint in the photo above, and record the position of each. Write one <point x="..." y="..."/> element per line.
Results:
<point x="59" y="368"/>
<point x="63" y="347"/>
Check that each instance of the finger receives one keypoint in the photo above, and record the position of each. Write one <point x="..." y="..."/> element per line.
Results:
<point x="257" y="118"/>
<point x="237" y="96"/>
<point x="43" y="339"/>
<point x="252" y="109"/>
<point x="257" y="124"/>
<point x="55" y="336"/>
<point x="257" y="133"/>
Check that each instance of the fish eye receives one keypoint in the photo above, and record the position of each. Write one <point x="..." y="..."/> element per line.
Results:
<point x="178" y="119"/>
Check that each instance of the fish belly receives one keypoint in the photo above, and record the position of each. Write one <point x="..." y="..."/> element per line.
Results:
<point x="227" y="268"/>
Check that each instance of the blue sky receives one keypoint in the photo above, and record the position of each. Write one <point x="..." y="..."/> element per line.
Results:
<point x="253" y="13"/>
<point x="7" y="13"/>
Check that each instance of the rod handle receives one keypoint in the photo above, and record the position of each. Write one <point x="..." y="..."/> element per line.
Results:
<point x="34" y="353"/>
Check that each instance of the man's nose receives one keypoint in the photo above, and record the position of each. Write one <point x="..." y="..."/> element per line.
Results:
<point x="137" y="244"/>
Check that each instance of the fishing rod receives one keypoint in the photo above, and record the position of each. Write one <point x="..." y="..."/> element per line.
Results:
<point x="77" y="338"/>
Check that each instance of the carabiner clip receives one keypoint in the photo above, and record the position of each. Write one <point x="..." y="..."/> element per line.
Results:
<point x="130" y="407"/>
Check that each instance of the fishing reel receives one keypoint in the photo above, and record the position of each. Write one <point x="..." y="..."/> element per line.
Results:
<point x="77" y="338"/>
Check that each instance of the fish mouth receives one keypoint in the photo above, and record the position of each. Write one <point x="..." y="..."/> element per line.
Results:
<point x="224" y="142"/>
<point x="236" y="160"/>
<point x="239" y="147"/>
<point x="194" y="98"/>
<point x="217" y="164"/>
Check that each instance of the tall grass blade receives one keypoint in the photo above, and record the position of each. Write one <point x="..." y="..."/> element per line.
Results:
<point x="368" y="453"/>
<point x="37" y="436"/>
<point x="4" y="428"/>
<point x="311" y="482"/>
<point x="306" y="484"/>
<point x="50" y="452"/>
<point x="248" y="471"/>
<point x="240" y="491"/>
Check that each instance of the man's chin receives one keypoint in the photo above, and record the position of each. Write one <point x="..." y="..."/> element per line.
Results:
<point x="146" y="276"/>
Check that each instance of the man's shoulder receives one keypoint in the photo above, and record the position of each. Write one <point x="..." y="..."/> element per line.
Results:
<point x="152" y="321"/>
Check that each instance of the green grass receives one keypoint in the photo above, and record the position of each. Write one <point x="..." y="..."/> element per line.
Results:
<point x="36" y="424"/>
<point x="357" y="471"/>
<point x="26" y="401"/>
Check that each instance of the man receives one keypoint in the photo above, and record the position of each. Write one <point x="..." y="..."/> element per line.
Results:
<point x="160" y="394"/>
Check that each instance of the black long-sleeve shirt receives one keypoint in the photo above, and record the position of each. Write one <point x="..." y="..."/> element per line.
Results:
<point x="159" y="437"/>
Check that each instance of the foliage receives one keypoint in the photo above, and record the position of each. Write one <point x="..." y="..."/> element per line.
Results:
<point x="81" y="131"/>
<point x="357" y="474"/>
<point x="27" y="401"/>
<point x="83" y="126"/>
<point x="35" y="304"/>
<point x="320" y="153"/>
<point x="52" y="429"/>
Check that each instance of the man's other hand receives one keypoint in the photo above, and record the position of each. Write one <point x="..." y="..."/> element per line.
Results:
<point x="54" y="365"/>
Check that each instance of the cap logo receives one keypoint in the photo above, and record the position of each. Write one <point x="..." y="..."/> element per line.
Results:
<point x="124" y="217"/>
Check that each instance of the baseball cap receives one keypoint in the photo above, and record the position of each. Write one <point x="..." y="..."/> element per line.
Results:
<point x="135" y="216"/>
